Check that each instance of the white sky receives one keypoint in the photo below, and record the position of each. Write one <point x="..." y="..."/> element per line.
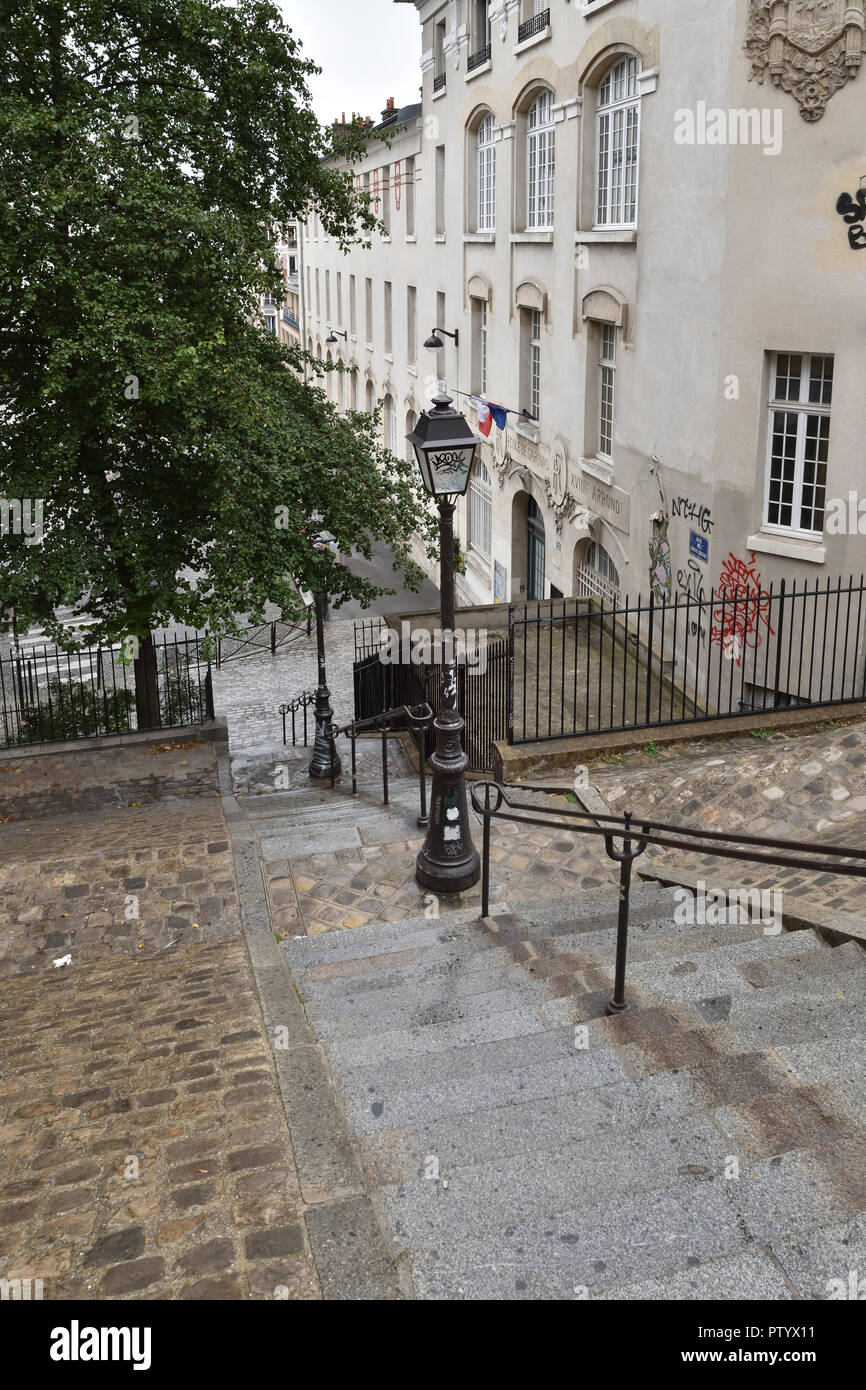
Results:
<point x="368" y="50"/>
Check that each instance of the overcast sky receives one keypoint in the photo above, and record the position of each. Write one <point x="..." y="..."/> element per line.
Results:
<point x="368" y="50"/>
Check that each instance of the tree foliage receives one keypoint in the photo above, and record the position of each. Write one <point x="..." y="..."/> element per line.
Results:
<point x="148" y="148"/>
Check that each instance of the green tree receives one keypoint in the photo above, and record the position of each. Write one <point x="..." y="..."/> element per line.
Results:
<point x="148" y="150"/>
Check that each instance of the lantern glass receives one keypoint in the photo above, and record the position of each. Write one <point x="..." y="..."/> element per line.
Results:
<point x="445" y="449"/>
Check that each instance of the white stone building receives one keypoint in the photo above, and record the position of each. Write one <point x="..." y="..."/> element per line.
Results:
<point x="626" y="213"/>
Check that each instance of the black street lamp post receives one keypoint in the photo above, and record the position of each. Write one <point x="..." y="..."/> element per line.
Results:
<point x="325" y="762"/>
<point x="448" y="863"/>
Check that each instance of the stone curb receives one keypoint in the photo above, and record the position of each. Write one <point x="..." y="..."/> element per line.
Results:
<point x="798" y="913"/>
<point x="345" y="1233"/>
<point x="511" y="761"/>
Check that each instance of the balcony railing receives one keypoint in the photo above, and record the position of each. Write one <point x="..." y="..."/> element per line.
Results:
<point x="477" y="60"/>
<point x="536" y="25"/>
<point x="290" y="318"/>
<point x="439" y="82"/>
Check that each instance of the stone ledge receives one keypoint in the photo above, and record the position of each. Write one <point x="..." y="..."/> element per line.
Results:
<point x="213" y="731"/>
<point x="513" y="761"/>
<point x="798" y="913"/>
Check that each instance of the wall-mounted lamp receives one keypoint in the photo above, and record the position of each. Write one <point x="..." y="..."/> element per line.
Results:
<point x="434" y="342"/>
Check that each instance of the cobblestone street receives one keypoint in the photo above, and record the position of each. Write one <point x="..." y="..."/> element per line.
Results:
<point x="145" y="1149"/>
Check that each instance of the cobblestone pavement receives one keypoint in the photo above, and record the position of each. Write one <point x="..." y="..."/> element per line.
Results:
<point x="376" y="883"/>
<point x="807" y="788"/>
<point x="144" y="1146"/>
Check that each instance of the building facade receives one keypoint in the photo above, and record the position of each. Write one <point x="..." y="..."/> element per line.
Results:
<point x="645" y="226"/>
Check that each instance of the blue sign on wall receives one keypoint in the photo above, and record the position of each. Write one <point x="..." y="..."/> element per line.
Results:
<point x="699" y="546"/>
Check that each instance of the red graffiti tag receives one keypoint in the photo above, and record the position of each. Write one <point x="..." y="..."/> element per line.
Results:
<point x="741" y="610"/>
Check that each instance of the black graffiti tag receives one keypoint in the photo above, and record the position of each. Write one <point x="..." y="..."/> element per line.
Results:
<point x="693" y="511"/>
<point x="853" y="211"/>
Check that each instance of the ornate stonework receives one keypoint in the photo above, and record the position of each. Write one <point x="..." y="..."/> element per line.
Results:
<point x="809" y="48"/>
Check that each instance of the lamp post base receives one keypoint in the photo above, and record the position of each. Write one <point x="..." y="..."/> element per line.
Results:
<point x="449" y="862"/>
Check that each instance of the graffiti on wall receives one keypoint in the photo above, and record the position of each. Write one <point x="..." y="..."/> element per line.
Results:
<point x="660" y="556"/>
<point x="853" y="212"/>
<point x="693" y="511"/>
<point x="690" y="582"/>
<point x="741" y="615"/>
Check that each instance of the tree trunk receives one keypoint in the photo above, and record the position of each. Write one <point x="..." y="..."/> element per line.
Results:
<point x="146" y="685"/>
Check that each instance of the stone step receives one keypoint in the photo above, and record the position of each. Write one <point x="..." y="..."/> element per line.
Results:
<point x="682" y="1222"/>
<point x="430" y="1010"/>
<point x="389" y="1044"/>
<point x="472" y="1079"/>
<point x="646" y="905"/>
<point x="402" y="791"/>
<point x="523" y="1126"/>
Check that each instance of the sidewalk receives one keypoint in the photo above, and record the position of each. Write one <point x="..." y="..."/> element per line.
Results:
<point x="145" y="1148"/>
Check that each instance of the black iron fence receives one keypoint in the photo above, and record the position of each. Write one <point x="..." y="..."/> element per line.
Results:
<point x="399" y="680"/>
<point x="268" y="637"/>
<point x="47" y="695"/>
<point x="625" y="839"/>
<point x="587" y="665"/>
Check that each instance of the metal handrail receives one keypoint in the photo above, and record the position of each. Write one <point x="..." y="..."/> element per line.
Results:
<point x="635" y="839"/>
<point x="302" y="701"/>
<point x="418" y="717"/>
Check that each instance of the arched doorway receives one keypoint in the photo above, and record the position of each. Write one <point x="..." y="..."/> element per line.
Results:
<point x="535" y="551"/>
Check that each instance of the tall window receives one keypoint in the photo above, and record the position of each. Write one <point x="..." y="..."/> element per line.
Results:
<point x="371" y="399"/>
<point x="353" y="321"/>
<point x="535" y="363"/>
<point x="389" y="317"/>
<point x="410" y="195"/>
<point x="368" y="306"/>
<point x="328" y="296"/>
<point x="480" y="510"/>
<point x="801" y="389"/>
<point x="339" y="299"/>
<point x="318" y="295"/>
<point x="486" y="154"/>
<point x="482" y="343"/>
<point x="353" y="390"/>
<point x="606" y="387"/>
<point x="440" y="190"/>
<point x="540" y="162"/>
<point x="618" y="145"/>
<point x="389" y="423"/>
<point x="411" y="325"/>
<point x="386" y="199"/>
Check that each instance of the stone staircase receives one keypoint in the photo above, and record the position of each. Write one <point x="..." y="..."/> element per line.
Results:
<point x="519" y="1143"/>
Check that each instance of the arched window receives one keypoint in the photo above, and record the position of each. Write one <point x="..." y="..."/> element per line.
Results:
<point x="618" y="119"/>
<point x="353" y="389"/>
<point x="370" y="399"/>
<point x="486" y="176"/>
<point x="480" y="510"/>
<point x="599" y="560"/>
<point x="540" y="162"/>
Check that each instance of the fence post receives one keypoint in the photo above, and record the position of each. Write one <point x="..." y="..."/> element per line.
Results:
<point x="208" y="699"/>
<point x="485" y="856"/>
<point x="509" y="706"/>
<point x="778" y="671"/>
<point x="649" y="656"/>
<point x="617" y="1004"/>
<point x="273" y="638"/>
<point x="384" y="765"/>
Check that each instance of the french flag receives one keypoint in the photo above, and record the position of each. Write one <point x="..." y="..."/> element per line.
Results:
<point x="488" y="414"/>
